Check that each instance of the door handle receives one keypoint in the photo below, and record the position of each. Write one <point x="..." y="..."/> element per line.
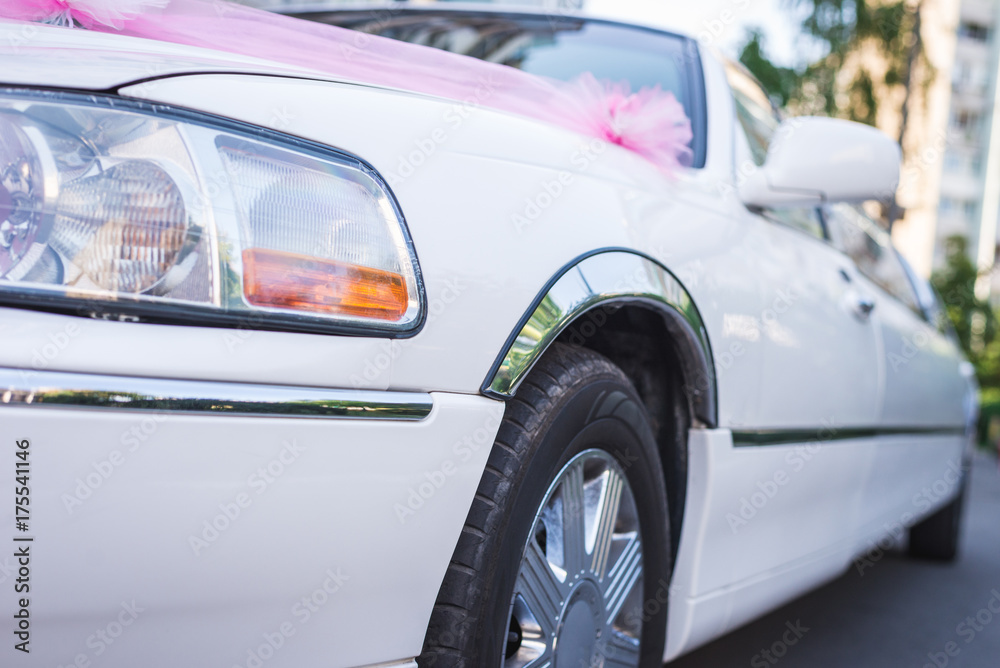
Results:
<point x="864" y="306"/>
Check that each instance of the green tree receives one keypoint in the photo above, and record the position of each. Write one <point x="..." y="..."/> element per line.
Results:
<point x="975" y="325"/>
<point x="973" y="319"/>
<point x="849" y="32"/>
<point x="780" y="82"/>
<point x="843" y="28"/>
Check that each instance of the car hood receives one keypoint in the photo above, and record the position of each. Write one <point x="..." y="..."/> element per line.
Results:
<point x="51" y="56"/>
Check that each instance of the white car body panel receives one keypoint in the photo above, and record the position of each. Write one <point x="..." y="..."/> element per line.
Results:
<point x="751" y="542"/>
<point x="178" y="472"/>
<point x="482" y="273"/>
<point x="914" y="353"/>
<point x="84" y="60"/>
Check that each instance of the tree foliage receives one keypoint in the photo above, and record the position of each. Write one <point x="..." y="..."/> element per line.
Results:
<point x="845" y="29"/>
<point x="973" y="319"/>
<point x="976" y="328"/>
<point x="780" y="82"/>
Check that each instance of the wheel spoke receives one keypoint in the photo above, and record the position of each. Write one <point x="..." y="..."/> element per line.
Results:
<point x="574" y="547"/>
<point x="541" y="589"/>
<point x="621" y="651"/>
<point x="540" y="662"/>
<point x="606" y="517"/>
<point x="581" y="573"/>
<point x="623" y="577"/>
<point x="534" y="650"/>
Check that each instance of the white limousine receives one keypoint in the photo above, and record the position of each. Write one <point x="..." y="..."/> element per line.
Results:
<point x="303" y="366"/>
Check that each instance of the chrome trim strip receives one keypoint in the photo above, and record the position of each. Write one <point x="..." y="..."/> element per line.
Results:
<point x="611" y="278"/>
<point x="56" y="389"/>
<point x="767" y="437"/>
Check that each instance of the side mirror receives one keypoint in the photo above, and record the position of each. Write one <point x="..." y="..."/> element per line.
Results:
<point x="814" y="160"/>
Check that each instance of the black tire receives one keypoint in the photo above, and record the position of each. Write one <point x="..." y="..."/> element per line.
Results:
<point x="937" y="537"/>
<point x="574" y="401"/>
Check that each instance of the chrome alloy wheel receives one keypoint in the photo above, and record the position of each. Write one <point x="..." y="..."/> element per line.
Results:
<point x="578" y="595"/>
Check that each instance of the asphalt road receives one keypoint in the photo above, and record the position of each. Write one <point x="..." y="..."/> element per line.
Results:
<point x="900" y="613"/>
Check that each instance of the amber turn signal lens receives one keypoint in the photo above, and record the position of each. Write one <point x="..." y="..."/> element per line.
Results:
<point x="293" y="281"/>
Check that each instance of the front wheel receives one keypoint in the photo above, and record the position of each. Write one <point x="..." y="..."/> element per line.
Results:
<point x="564" y="558"/>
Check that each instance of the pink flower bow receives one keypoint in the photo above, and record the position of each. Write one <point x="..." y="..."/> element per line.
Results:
<point x="88" y="13"/>
<point x="650" y="122"/>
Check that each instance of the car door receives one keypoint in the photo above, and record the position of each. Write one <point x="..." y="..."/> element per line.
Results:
<point x="819" y="386"/>
<point x="822" y="369"/>
<point x="922" y="416"/>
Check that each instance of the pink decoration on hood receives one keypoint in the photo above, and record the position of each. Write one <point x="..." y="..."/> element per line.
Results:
<point x="649" y="122"/>
<point x="88" y="13"/>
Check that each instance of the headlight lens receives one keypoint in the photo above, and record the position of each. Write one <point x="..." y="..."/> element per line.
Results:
<point x="106" y="205"/>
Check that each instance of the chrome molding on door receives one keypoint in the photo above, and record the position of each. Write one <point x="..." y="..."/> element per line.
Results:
<point x="48" y="389"/>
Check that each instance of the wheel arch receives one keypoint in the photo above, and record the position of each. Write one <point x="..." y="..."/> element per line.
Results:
<point x="634" y="311"/>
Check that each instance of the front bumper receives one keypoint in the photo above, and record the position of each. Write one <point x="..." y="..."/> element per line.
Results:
<point x="175" y="526"/>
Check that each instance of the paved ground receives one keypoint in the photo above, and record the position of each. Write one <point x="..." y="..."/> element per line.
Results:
<point x="901" y="613"/>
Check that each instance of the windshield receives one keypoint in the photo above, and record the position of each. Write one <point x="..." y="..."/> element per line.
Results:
<point x="556" y="47"/>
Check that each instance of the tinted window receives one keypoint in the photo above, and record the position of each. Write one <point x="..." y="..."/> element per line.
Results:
<point x="861" y="238"/>
<point x="556" y="47"/>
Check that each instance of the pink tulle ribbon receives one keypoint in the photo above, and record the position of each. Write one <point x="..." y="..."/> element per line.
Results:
<point x="649" y="122"/>
<point x="96" y="14"/>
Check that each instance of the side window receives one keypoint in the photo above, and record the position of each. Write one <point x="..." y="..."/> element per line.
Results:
<point x="759" y="121"/>
<point x="860" y="237"/>
<point x="929" y="301"/>
<point x="803" y="219"/>
<point x="754" y="111"/>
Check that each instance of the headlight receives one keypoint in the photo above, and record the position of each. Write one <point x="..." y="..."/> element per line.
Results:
<point x="124" y="209"/>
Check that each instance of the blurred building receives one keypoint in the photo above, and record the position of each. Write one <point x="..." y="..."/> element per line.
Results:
<point x="970" y="182"/>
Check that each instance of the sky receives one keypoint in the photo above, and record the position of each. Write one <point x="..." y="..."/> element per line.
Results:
<point x="722" y="23"/>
